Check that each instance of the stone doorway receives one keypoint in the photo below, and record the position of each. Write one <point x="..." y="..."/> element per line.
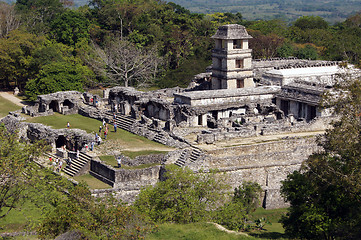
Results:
<point x="54" y="105"/>
<point x="68" y="104"/>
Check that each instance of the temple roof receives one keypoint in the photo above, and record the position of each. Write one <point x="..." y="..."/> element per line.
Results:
<point x="224" y="93"/>
<point x="232" y="31"/>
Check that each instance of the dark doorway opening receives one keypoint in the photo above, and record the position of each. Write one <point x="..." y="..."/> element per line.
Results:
<point x="200" y="120"/>
<point x="285" y="105"/>
<point x="311" y="112"/>
<point x="69" y="104"/>
<point x="215" y="115"/>
<point x="61" y="141"/>
<point x="54" y="105"/>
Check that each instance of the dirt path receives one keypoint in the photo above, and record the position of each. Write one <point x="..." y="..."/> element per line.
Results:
<point x="220" y="227"/>
<point x="12" y="98"/>
<point x="255" y="140"/>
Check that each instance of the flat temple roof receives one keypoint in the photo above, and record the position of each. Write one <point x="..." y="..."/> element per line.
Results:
<point x="223" y="93"/>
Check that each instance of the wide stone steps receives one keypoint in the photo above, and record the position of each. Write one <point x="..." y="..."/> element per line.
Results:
<point x="182" y="159"/>
<point x="160" y="138"/>
<point x="77" y="164"/>
<point x="196" y="152"/>
<point x="123" y="122"/>
<point x="191" y="154"/>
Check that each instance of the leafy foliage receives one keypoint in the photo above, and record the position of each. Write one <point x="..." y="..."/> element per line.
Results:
<point x="160" y="30"/>
<point x="17" y="169"/>
<point x="58" y="76"/>
<point x="125" y="64"/>
<point x="245" y="200"/>
<point x="104" y="219"/>
<point x="183" y="197"/>
<point x="311" y="22"/>
<point x="70" y="27"/>
<point x="325" y="195"/>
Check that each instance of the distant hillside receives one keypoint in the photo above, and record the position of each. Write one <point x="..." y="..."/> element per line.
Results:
<point x="77" y="3"/>
<point x="288" y="10"/>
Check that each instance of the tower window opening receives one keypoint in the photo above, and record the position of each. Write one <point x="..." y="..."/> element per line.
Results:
<point x="240" y="83"/>
<point x="239" y="63"/>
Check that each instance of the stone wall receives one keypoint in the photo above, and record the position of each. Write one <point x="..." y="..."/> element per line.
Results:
<point x="266" y="128"/>
<point x="266" y="163"/>
<point x="126" y="183"/>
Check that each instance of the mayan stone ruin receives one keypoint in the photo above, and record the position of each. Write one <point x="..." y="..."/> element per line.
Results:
<point x="255" y="120"/>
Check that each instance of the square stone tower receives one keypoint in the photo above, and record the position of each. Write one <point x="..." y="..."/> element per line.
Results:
<point x="231" y="58"/>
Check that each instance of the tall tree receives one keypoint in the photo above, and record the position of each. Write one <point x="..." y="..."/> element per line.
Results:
<point x="125" y="64"/>
<point x="325" y="194"/>
<point x="9" y="20"/>
<point x="37" y="15"/>
<point x="183" y="197"/>
<point x="16" y="55"/>
<point x="17" y="169"/>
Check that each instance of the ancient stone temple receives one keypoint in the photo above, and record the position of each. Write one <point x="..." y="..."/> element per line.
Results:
<point x="252" y="119"/>
<point x="231" y="58"/>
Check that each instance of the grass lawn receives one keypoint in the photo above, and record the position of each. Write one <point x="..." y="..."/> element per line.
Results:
<point x="92" y="182"/>
<point x="194" y="231"/>
<point x="6" y="107"/>
<point x="135" y="154"/>
<point x="121" y="137"/>
<point x="21" y="219"/>
<point x="110" y="160"/>
<point x="273" y="230"/>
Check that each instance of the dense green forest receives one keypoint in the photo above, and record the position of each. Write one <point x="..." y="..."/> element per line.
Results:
<point x="45" y="46"/>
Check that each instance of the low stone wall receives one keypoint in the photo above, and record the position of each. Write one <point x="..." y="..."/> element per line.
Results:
<point x="144" y="159"/>
<point x="264" y="128"/>
<point x="126" y="183"/>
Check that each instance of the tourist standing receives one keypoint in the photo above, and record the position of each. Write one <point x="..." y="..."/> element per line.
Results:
<point x="69" y="162"/>
<point x="92" y="146"/>
<point x="119" y="160"/>
<point x="60" y="165"/>
<point x="115" y="127"/>
<point x="100" y="130"/>
<point x="68" y="125"/>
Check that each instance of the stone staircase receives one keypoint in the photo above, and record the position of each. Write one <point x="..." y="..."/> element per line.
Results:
<point x="77" y="164"/>
<point x="160" y="138"/>
<point x="124" y="122"/>
<point x="48" y="155"/>
<point x="191" y="154"/>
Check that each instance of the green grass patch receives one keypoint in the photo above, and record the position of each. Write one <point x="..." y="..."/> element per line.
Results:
<point x="194" y="231"/>
<point x="6" y="106"/>
<point x="59" y="121"/>
<point x="90" y="125"/>
<point x="110" y="160"/>
<point x="134" y="154"/>
<point x="92" y="182"/>
<point x="273" y="230"/>
<point x="23" y="218"/>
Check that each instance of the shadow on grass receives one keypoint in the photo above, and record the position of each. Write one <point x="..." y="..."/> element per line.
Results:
<point x="268" y="235"/>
